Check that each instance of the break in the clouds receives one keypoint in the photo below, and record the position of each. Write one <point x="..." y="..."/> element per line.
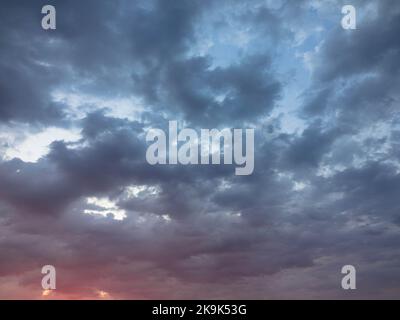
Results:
<point x="76" y="191"/>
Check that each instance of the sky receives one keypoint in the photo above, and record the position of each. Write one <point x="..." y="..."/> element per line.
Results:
<point x="77" y="193"/>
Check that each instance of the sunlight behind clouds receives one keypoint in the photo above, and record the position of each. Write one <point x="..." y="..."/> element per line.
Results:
<point x="80" y="104"/>
<point x="35" y="146"/>
<point x="105" y="206"/>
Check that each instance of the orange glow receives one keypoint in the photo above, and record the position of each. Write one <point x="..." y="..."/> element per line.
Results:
<point x="46" y="293"/>
<point x="103" y="294"/>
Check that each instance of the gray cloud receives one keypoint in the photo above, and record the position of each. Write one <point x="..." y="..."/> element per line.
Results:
<point x="323" y="193"/>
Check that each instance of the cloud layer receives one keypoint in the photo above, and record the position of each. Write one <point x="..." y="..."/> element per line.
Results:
<point x="324" y="193"/>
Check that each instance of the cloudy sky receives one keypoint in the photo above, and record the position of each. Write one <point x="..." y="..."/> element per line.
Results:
<point x="76" y="191"/>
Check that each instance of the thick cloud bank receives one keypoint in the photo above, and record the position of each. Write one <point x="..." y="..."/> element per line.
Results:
<point x="76" y="191"/>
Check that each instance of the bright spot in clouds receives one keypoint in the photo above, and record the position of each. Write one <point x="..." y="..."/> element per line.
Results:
<point x="80" y="104"/>
<point x="299" y="186"/>
<point x="46" y="293"/>
<point x="35" y="146"/>
<point x="137" y="191"/>
<point x="103" y="294"/>
<point x="104" y="206"/>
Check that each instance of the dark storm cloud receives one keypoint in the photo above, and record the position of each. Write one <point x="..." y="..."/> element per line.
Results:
<point x="308" y="149"/>
<point x="22" y="187"/>
<point x="372" y="48"/>
<point x="95" y="47"/>
<point x="371" y="190"/>
<point x="319" y="198"/>
<point x="248" y="90"/>
<point x="106" y="51"/>
<point x="23" y="96"/>
<point x="362" y="66"/>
